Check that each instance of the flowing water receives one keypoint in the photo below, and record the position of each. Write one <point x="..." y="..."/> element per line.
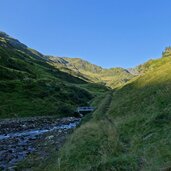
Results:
<point x="17" y="145"/>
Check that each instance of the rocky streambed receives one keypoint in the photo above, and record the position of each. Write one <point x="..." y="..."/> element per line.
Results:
<point x="20" y="138"/>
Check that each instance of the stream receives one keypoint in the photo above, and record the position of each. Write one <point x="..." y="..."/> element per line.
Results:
<point x="20" y="138"/>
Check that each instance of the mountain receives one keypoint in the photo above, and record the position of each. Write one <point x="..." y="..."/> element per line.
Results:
<point x="30" y="85"/>
<point x="37" y="78"/>
<point x="130" y="129"/>
<point x="7" y="41"/>
<point x="77" y="67"/>
<point x="113" y="77"/>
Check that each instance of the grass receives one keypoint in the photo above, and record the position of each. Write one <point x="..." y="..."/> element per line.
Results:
<point x="30" y="86"/>
<point x="130" y="130"/>
<point x="113" y="77"/>
<point x="154" y="63"/>
<point x="141" y="112"/>
<point x="40" y="97"/>
<point x="86" y="148"/>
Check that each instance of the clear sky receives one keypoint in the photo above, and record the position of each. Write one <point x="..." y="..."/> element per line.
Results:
<point x="108" y="33"/>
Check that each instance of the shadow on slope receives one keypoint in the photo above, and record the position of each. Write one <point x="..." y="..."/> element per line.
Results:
<point x="30" y="85"/>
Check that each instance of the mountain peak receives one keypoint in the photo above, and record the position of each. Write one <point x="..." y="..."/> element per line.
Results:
<point x="8" y="41"/>
<point x="3" y="34"/>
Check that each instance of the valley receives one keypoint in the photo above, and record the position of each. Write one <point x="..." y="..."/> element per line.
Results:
<point x="129" y="130"/>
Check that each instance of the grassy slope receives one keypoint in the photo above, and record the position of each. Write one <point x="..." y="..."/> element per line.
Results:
<point x="113" y="77"/>
<point x="133" y="134"/>
<point x="30" y="86"/>
<point x="154" y="63"/>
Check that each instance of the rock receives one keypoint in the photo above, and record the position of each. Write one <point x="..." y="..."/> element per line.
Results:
<point x="50" y="137"/>
<point x="24" y="126"/>
<point x="10" y="151"/>
<point x="31" y="136"/>
<point x="59" y="130"/>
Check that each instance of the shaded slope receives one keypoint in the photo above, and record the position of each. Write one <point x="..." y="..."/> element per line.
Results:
<point x="30" y="86"/>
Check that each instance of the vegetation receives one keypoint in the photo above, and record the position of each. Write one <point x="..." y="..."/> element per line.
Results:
<point x="129" y="131"/>
<point x="154" y="63"/>
<point x="113" y="77"/>
<point x="167" y="52"/>
<point x="30" y="86"/>
<point x="131" y="127"/>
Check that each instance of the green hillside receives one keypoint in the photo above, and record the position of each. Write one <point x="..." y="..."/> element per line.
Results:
<point x="113" y="77"/>
<point x="30" y="85"/>
<point x="167" y="52"/>
<point x="129" y="131"/>
<point x="153" y="63"/>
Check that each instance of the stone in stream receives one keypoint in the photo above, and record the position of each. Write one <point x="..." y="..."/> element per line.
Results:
<point x="24" y="138"/>
<point x="49" y="137"/>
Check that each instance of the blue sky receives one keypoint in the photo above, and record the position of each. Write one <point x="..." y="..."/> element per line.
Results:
<point x="108" y="33"/>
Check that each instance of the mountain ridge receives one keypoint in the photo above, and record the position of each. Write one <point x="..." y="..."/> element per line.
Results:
<point x="112" y="77"/>
<point x="94" y="72"/>
<point x="81" y="68"/>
